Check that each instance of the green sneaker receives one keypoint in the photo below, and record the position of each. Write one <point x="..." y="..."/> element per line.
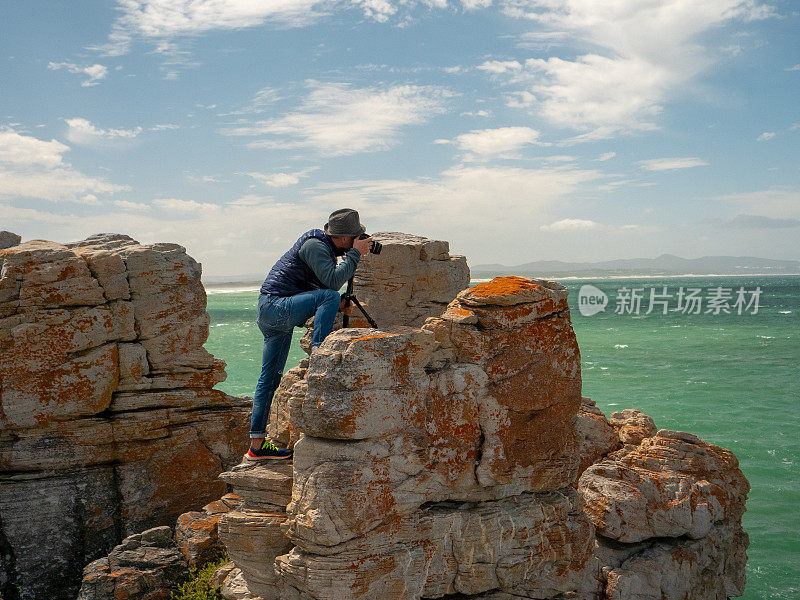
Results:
<point x="268" y="451"/>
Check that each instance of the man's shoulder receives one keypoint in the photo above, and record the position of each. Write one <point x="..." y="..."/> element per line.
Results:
<point x="314" y="246"/>
<point x="313" y="241"/>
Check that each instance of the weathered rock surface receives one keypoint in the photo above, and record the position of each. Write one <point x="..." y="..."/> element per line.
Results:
<point x="153" y="563"/>
<point x="671" y="485"/>
<point x="254" y="534"/>
<point x="196" y="532"/>
<point x="431" y="461"/>
<point x="442" y="461"/>
<point x="413" y="278"/>
<point x="109" y="421"/>
<point x="8" y="239"/>
<point x="597" y="437"/>
<point x="709" y="568"/>
<point x="145" y="566"/>
<point x="632" y="426"/>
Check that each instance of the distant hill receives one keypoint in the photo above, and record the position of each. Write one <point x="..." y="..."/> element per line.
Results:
<point x="666" y="264"/>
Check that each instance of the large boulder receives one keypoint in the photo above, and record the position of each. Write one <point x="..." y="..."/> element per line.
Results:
<point x="413" y="278"/>
<point x="671" y="485"/>
<point x="8" y="239"/>
<point x="145" y="566"/>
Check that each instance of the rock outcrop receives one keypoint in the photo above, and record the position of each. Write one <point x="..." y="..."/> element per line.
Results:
<point x="150" y="565"/>
<point x="110" y="423"/>
<point x="596" y="435"/>
<point x="413" y="278"/>
<point x="668" y="514"/>
<point x="145" y="566"/>
<point x="8" y="239"/>
<point x="254" y="534"/>
<point x="421" y="472"/>
<point x="443" y="461"/>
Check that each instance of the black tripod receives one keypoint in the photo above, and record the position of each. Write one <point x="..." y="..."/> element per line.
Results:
<point x="349" y="297"/>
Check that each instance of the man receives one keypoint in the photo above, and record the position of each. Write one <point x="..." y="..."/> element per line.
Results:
<point x="303" y="283"/>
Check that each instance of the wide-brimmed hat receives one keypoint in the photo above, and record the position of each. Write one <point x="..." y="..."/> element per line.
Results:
<point x="344" y="222"/>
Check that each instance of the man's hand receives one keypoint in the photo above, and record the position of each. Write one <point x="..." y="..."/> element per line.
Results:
<point x="345" y="308"/>
<point x="362" y="245"/>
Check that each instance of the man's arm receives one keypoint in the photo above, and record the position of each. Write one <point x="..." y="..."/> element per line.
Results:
<point x="317" y="256"/>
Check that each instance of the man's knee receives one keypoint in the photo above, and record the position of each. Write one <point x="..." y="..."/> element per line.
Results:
<point x="330" y="296"/>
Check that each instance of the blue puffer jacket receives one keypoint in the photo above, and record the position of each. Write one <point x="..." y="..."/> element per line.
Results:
<point x="291" y="275"/>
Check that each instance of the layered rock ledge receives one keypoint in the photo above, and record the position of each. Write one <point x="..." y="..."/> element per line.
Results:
<point x="458" y="459"/>
<point x="110" y="424"/>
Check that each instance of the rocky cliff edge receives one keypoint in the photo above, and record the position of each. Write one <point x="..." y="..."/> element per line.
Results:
<point x="109" y="421"/>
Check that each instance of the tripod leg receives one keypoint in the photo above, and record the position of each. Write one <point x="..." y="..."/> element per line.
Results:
<point x="347" y="295"/>
<point x="364" y="312"/>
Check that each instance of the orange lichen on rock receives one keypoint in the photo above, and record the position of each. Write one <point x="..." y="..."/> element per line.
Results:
<point x="503" y="286"/>
<point x="104" y="381"/>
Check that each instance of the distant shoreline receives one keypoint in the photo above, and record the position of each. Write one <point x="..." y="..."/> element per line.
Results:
<point x="232" y="287"/>
<point x="652" y="276"/>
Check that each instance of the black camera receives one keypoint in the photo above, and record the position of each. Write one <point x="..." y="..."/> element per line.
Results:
<point x="374" y="247"/>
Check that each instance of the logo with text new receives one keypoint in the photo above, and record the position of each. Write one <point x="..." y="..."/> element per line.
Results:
<point x="591" y="300"/>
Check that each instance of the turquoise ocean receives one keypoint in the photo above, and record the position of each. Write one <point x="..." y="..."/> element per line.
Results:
<point x="732" y="379"/>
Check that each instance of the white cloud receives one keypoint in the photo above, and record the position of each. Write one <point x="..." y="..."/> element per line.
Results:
<point x="52" y="184"/>
<point x="761" y="222"/>
<point x="793" y="68"/>
<point x="670" y="164"/>
<point x="521" y="99"/>
<point x="380" y="10"/>
<point x="475" y="4"/>
<point x="336" y="119"/>
<point x="251" y="200"/>
<point x="606" y="156"/>
<point x="211" y="233"/>
<point x="18" y="149"/>
<point x="34" y="168"/>
<point x="571" y="225"/>
<point x="644" y="54"/>
<point x="503" y="141"/>
<point x="90" y="199"/>
<point x="94" y="72"/>
<point x="82" y="132"/>
<point x="453" y="205"/>
<point x="776" y="203"/>
<point x="499" y="66"/>
<point x="767" y="135"/>
<point x="176" y="204"/>
<point x="163" y="127"/>
<point x="478" y="113"/>
<point x="161" y="21"/>
<point x="281" y="179"/>
<point x="134" y="206"/>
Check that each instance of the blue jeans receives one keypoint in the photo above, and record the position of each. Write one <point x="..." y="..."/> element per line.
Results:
<point x="277" y="318"/>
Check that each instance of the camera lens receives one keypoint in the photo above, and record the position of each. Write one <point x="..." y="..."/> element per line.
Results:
<point x="375" y="247"/>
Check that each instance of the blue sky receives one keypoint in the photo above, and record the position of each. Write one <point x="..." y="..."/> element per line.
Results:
<point x="518" y="130"/>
